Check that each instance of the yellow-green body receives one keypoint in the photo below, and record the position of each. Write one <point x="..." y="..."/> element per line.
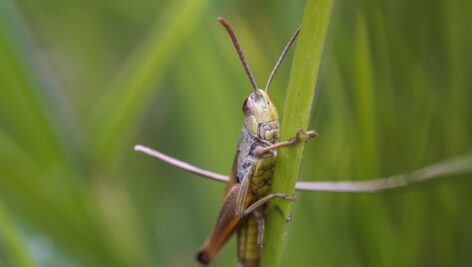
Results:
<point x="248" y="249"/>
<point x="250" y="181"/>
<point x="260" y="183"/>
<point x="254" y="171"/>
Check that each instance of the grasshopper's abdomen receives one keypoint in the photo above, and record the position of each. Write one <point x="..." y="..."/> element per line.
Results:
<point x="261" y="180"/>
<point x="248" y="249"/>
<point x="260" y="183"/>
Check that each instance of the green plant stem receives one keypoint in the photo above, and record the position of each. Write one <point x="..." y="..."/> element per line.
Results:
<point x="296" y="114"/>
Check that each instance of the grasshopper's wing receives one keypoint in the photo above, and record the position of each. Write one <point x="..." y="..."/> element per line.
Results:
<point x="229" y="219"/>
<point x="244" y="197"/>
<point x="233" y="178"/>
<point x="226" y="225"/>
<point x="248" y="249"/>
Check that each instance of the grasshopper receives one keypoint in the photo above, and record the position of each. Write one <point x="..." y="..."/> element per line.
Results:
<point x="249" y="183"/>
<point x="248" y="189"/>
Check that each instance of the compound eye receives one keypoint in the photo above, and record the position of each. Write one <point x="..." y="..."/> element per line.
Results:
<point x="247" y="107"/>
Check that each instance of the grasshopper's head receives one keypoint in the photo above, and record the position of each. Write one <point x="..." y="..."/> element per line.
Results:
<point x="260" y="116"/>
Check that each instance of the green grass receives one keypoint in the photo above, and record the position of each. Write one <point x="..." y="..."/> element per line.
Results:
<point x="301" y="90"/>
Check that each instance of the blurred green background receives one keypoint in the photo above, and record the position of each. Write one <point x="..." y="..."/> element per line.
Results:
<point x="82" y="82"/>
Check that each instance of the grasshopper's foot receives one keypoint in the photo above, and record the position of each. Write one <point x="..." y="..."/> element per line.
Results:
<point x="289" y="218"/>
<point x="291" y="197"/>
<point x="307" y="135"/>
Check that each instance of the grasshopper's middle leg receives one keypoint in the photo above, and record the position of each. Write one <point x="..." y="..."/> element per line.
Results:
<point x="243" y="196"/>
<point x="260" y="216"/>
<point x="307" y="135"/>
<point x="266" y="199"/>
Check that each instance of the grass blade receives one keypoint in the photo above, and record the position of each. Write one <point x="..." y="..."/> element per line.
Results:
<point x="296" y="113"/>
<point x="128" y="94"/>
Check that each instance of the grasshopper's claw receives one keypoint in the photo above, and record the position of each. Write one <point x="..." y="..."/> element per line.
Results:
<point x="289" y="218"/>
<point x="307" y="135"/>
<point x="310" y="135"/>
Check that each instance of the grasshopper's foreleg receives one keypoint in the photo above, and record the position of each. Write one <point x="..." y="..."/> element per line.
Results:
<point x="307" y="135"/>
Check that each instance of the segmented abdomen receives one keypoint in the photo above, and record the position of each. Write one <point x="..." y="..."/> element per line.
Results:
<point x="248" y="249"/>
<point x="261" y="180"/>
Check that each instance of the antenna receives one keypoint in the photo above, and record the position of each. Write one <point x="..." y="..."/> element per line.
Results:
<point x="238" y="49"/>
<point x="281" y="58"/>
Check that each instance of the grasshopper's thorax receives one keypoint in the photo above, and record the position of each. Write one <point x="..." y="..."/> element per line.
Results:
<point x="261" y="129"/>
